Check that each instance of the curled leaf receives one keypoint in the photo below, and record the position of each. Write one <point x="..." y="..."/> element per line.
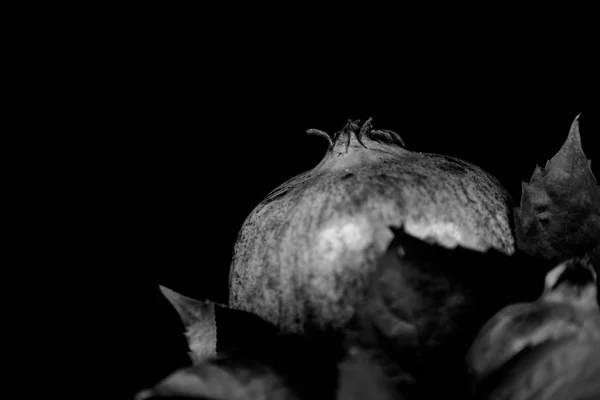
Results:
<point x="559" y="216"/>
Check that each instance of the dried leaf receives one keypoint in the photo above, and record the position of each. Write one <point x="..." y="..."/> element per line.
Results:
<point x="559" y="215"/>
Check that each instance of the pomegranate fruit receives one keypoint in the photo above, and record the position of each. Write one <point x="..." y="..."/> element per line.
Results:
<point x="303" y="254"/>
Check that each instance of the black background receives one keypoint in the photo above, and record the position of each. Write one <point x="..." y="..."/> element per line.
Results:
<point x="186" y="130"/>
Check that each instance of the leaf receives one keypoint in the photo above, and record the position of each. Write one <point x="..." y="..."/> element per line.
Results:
<point x="198" y="318"/>
<point x="288" y="366"/>
<point x="236" y="331"/>
<point x="210" y="381"/>
<point x="425" y="304"/>
<point x="559" y="216"/>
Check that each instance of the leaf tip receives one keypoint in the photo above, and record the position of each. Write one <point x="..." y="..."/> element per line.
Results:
<point x="168" y="293"/>
<point x="189" y="310"/>
<point x="573" y="142"/>
<point x="574" y="131"/>
<point x="538" y="174"/>
<point x="570" y="157"/>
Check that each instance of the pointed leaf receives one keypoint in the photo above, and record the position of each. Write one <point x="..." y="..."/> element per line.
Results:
<point x="237" y="330"/>
<point x="198" y="318"/>
<point x="559" y="215"/>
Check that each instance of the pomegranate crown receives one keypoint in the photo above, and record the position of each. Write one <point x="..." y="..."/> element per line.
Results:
<point x="353" y="129"/>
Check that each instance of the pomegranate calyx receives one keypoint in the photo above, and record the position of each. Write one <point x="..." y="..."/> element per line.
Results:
<point x="348" y="131"/>
<point x="353" y="129"/>
<point x="318" y="132"/>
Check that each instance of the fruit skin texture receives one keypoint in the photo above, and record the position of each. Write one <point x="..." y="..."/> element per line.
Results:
<point x="303" y="254"/>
